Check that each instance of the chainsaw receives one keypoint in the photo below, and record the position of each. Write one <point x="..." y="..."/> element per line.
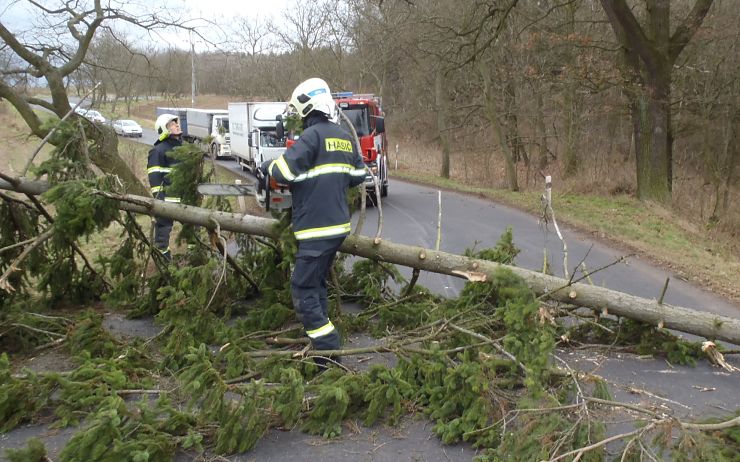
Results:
<point x="270" y="194"/>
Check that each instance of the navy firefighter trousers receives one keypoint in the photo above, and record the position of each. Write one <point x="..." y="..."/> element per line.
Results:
<point x="308" y="286"/>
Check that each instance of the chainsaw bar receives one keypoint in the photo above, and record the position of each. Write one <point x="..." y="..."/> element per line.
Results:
<point x="225" y="189"/>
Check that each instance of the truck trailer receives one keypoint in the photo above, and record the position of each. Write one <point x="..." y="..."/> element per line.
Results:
<point x="254" y="136"/>
<point x="209" y="127"/>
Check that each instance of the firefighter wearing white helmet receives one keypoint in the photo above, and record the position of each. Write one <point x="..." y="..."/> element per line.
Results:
<point x="159" y="165"/>
<point x="313" y="95"/>
<point x="320" y="168"/>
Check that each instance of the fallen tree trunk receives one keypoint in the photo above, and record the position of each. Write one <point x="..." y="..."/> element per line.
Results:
<point x="682" y="319"/>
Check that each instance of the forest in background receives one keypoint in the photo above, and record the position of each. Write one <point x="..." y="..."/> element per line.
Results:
<point x="495" y="93"/>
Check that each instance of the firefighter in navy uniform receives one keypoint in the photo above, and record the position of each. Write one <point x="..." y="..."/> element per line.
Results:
<point x="319" y="167"/>
<point x="159" y="165"/>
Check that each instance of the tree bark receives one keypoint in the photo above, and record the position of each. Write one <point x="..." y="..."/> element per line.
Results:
<point x="682" y="319"/>
<point x="442" y="113"/>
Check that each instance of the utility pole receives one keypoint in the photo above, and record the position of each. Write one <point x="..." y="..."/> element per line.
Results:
<point x="192" y="69"/>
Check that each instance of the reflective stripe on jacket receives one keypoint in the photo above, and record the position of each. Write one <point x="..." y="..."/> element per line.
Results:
<point x="320" y="167"/>
<point x="159" y="164"/>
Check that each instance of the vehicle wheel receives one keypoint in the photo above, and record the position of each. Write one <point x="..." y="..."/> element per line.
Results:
<point x="372" y="199"/>
<point x="384" y="190"/>
<point x="214" y="151"/>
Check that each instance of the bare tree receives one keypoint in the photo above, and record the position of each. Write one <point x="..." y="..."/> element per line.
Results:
<point x="53" y="49"/>
<point x="649" y="54"/>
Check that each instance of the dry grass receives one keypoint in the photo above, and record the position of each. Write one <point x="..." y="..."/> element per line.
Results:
<point x="17" y="143"/>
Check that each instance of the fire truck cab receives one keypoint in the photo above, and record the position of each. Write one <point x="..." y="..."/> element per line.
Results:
<point x="368" y="119"/>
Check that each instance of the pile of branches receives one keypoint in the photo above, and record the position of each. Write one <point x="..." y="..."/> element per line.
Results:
<point x="231" y="360"/>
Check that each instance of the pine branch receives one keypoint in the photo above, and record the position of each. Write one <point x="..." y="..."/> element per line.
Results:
<point x="15" y="266"/>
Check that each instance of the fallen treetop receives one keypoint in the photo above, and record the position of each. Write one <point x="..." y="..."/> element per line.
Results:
<point x="682" y="319"/>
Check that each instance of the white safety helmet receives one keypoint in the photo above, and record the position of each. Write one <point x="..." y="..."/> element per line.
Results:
<point x="160" y="126"/>
<point x="312" y="95"/>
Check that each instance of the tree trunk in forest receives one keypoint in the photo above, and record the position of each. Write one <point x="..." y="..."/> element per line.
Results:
<point x="518" y="152"/>
<point x="492" y="114"/>
<point x="539" y="116"/>
<point x="651" y="118"/>
<point x="442" y="112"/>
<point x="649" y="56"/>
<point x="695" y="322"/>
<point x="571" y="159"/>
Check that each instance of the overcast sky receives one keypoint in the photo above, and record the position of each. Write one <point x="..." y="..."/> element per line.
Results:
<point x="19" y="15"/>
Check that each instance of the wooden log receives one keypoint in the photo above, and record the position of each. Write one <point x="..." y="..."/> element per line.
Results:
<point x="711" y="326"/>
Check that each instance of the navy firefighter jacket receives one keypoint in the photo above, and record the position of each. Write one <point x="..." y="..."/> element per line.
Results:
<point x="319" y="167"/>
<point x="159" y="165"/>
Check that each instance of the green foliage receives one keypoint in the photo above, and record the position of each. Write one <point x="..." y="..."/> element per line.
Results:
<point x="533" y="438"/>
<point x="712" y="446"/>
<point x="88" y="335"/>
<point x="35" y="451"/>
<point x="269" y="317"/>
<point x="601" y="390"/>
<point x="184" y="179"/>
<point x="387" y="388"/>
<point x="24" y="330"/>
<point x="289" y="397"/>
<point x="269" y="261"/>
<point x="293" y="124"/>
<point x="242" y="426"/>
<point x="369" y="279"/>
<point x="645" y="338"/>
<point x="188" y="308"/>
<point x="115" y="433"/>
<point x="18" y="223"/>
<point x="529" y="339"/>
<point x="404" y="316"/>
<point x="203" y="383"/>
<point x="328" y="411"/>
<point x="233" y="360"/>
<point x="69" y="160"/>
<point x="87" y="387"/>
<point x="462" y="404"/>
<point x="80" y="211"/>
<point x="20" y="399"/>
<point x="504" y="252"/>
<point x="124" y="268"/>
<point x="426" y="373"/>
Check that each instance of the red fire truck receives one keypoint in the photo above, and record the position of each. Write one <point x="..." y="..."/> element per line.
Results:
<point x="366" y="114"/>
<point x="367" y="117"/>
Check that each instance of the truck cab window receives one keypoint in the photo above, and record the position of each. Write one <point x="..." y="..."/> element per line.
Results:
<point x="359" y="118"/>
<point x="270" y="140"/>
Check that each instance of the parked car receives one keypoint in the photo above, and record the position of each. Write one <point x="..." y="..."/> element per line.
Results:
<point x="127" y="128"/>
<point x="90" y="114"/>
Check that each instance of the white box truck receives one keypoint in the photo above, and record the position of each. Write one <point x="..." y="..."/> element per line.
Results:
<point x="253" y="129"/>
<point x="201" y="125"/>
<point x="211" y="125"/>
